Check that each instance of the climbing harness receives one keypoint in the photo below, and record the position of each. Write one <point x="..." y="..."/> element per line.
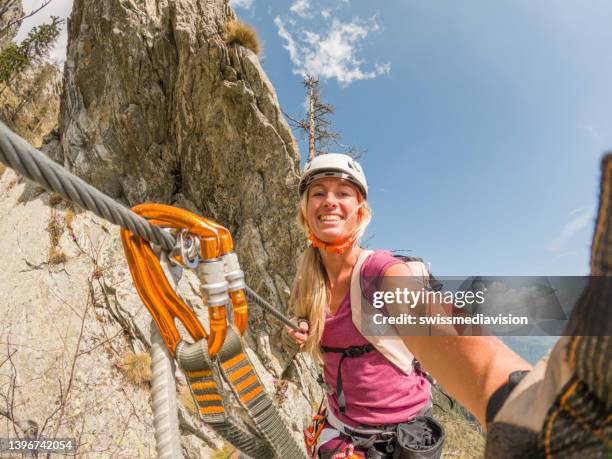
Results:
<point x="418" y="435"/>
<point x="209" y="359"/>
<point x="421" y="437"/>
<point x="351" y="352"/>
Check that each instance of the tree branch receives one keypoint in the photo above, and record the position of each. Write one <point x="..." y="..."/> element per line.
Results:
<point x="25" y="16"/>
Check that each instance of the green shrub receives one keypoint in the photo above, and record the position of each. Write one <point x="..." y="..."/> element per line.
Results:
<point x="33" y="49"/>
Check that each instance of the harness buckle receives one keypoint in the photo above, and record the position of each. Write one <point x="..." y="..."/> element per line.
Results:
<point x="356" y="351"/>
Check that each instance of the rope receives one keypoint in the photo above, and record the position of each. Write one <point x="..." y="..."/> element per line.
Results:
<point x="163" y="399"/>
<point x="163" y="388"/>
<point x="17" y="154"/>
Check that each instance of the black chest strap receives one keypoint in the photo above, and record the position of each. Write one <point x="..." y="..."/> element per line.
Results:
<point x="353" y="351"/>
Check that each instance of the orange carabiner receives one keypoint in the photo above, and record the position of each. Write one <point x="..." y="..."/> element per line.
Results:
<point x="156" y="293"/>
<point x="216" y="241"/>
<point x="237" y="295"/>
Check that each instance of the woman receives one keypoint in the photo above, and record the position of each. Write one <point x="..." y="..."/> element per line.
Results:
<point x="367" y="390"/>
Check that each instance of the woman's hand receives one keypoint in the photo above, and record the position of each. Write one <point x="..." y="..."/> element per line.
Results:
<point x="300" y="336"/>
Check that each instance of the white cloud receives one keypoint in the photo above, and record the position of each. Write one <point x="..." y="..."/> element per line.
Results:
<point x="331" y="53"/>
<point x="301" y="8"/>
<point x="326" y="13"/>
<point x="244" y="4"/>
<point x="290" y="46"/>
<point x="579" y="219"/>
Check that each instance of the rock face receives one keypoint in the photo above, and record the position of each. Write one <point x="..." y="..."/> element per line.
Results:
<point x="69" y="319"/>
<point x="32" y="106"/>
<point x="155" y="107"/>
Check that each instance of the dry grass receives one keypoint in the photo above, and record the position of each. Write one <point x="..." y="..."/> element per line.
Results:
<point x="56" y="257"/>
<point x="97" y="272"/>
<point x="280" y="392"/>
<point x="11" y="184"/>
<point x="69" y="218"/>
<point x="227" y="452"/>
<point x="239" y="33"/>
<point x="136" y="367"/>
<point x="55" y="199"/>
<point x="55" y="228"/>
<point x="2" y="168"/>
<point x="186" y="399"/>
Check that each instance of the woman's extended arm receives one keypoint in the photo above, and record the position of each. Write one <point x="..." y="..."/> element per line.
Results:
<point x="470" y="368"/>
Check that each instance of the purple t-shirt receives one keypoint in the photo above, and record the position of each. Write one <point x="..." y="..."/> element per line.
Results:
<point x="376" y="391"/>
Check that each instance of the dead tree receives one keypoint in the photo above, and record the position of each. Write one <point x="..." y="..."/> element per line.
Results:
<point x="316" y="124"/>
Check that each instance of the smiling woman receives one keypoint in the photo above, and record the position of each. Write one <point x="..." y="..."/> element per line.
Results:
<point x="378" y="400"/>
<point x="334" y="214"/>
<point x="332" y="210"/>
<point x="334" y="203"/>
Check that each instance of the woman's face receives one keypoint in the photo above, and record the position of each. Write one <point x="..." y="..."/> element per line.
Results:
<point x="332" y="209"/>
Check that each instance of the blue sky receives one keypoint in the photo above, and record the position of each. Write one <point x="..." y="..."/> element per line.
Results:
<point x="484" y="121"/>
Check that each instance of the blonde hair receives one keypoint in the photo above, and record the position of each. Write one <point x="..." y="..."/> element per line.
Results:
<point x="310" y="293"/>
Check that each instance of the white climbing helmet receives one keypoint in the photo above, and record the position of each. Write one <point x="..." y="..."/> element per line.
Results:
<point x="334" y="165"/>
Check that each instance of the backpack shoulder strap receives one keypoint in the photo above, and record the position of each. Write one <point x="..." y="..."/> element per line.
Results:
<point x="420" y="269"/>
<point x="388" y="343"/>
<point x="356" y="293"/>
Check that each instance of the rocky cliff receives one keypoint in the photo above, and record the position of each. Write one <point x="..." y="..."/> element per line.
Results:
<point x="155" y="107"/>
<point x="31" y="105"/>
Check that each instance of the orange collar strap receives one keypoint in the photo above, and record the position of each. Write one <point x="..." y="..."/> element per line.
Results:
<point x="334" y="247"/>
<point x="340" y="246"/>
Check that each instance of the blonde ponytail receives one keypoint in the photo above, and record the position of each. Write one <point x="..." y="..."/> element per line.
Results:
<point x="310" y="296"/>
